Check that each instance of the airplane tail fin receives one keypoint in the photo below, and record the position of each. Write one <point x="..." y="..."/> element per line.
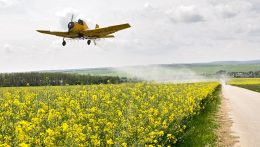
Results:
<point x="97" y="26"/>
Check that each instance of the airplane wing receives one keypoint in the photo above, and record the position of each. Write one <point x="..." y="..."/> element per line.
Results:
<point x="103" y="32"/>
<point x="60" y="34"/>
<point x="108" y="36"/>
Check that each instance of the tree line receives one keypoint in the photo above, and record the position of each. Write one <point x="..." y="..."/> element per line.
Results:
<point x="249" y="74"/>
<point x="53" y="79"/>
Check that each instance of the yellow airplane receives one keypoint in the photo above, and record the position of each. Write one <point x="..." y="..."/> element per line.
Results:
<point x="80" y="30"/>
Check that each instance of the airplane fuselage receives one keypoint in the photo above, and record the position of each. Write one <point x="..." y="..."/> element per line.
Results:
<point x="79" y="27"/>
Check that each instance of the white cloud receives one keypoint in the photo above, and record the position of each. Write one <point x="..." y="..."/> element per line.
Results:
<point x="148" y="6"/>
<point x="226" y="10"/>
<point x="255" y="32"/>
<point x="7" y="3"/>
<point x="233" y="8"/>
<point x="187" y="14"/>
<point x="8" y="48"/>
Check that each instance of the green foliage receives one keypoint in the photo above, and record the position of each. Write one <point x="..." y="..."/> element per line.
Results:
<point x="254" y="87"/>
<point x="200" y="128"/>
<point x="53" y="79"/>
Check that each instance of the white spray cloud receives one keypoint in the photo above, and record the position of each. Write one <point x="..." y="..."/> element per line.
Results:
<point x="163" y="74"/>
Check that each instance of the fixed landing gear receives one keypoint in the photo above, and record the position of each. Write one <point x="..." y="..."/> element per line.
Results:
<point x="63" y="42"/>
<point x="89" y="41"/>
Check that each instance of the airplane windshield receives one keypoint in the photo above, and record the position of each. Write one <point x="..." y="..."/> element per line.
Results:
<point x="80" y="22"/>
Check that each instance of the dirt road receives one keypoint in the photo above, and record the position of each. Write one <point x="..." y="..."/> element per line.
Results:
<point x="245" y="114"/>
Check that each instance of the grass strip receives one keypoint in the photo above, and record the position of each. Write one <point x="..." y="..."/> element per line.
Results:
<point x="201" y="128"/>
<point x="253" y="87"/>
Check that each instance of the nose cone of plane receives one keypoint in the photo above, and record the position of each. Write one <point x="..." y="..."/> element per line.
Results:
<point x="71" y="25"/>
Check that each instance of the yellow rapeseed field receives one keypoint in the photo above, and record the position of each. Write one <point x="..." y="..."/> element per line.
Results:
<point x="98" y="115"/>
<point x="241" y="81"/>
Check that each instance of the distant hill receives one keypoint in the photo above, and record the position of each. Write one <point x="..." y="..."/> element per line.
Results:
<point x="198" y="68"/>
<point x="235" y="62"/>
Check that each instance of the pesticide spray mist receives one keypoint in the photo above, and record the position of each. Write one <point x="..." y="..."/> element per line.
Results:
<point x="164" y="74"/>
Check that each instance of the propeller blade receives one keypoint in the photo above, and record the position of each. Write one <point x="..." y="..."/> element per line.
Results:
<point x="72" y="17"/>
<point x="71" y="21"/>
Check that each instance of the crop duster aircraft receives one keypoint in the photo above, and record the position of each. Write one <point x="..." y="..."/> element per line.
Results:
<point x="80" y="30"/>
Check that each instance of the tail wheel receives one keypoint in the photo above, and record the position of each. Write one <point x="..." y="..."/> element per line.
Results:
<point x="89" y="41"/>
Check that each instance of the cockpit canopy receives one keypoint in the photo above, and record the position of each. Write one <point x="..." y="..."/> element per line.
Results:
<point x="81" y="22"/>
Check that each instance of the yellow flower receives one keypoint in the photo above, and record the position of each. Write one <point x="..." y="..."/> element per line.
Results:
<point x="124" y="144"/>
<point x="50" y="132"/>
<point x="24" y="145"/>
<point x="5" y="145"/>
<point x="119" y="113"/>
<point x="65" y="126"/>
<point x="110" y="142"/>
<point x="161" y="133"/>
<point x="123" y="114"/>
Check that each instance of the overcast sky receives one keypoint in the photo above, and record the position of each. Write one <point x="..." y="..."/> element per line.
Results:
<point x="167" y="31"/>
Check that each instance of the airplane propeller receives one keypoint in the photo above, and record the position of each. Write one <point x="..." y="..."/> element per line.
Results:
<point x="70" y="24"/>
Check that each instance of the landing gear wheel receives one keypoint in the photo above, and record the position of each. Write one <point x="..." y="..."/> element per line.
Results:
<point x="89" y="41"/>
<point x="63" y="42"/>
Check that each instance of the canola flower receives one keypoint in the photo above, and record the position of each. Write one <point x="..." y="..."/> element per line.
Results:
<point x="242" y="81"/>
<point x="99" y="115"/>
